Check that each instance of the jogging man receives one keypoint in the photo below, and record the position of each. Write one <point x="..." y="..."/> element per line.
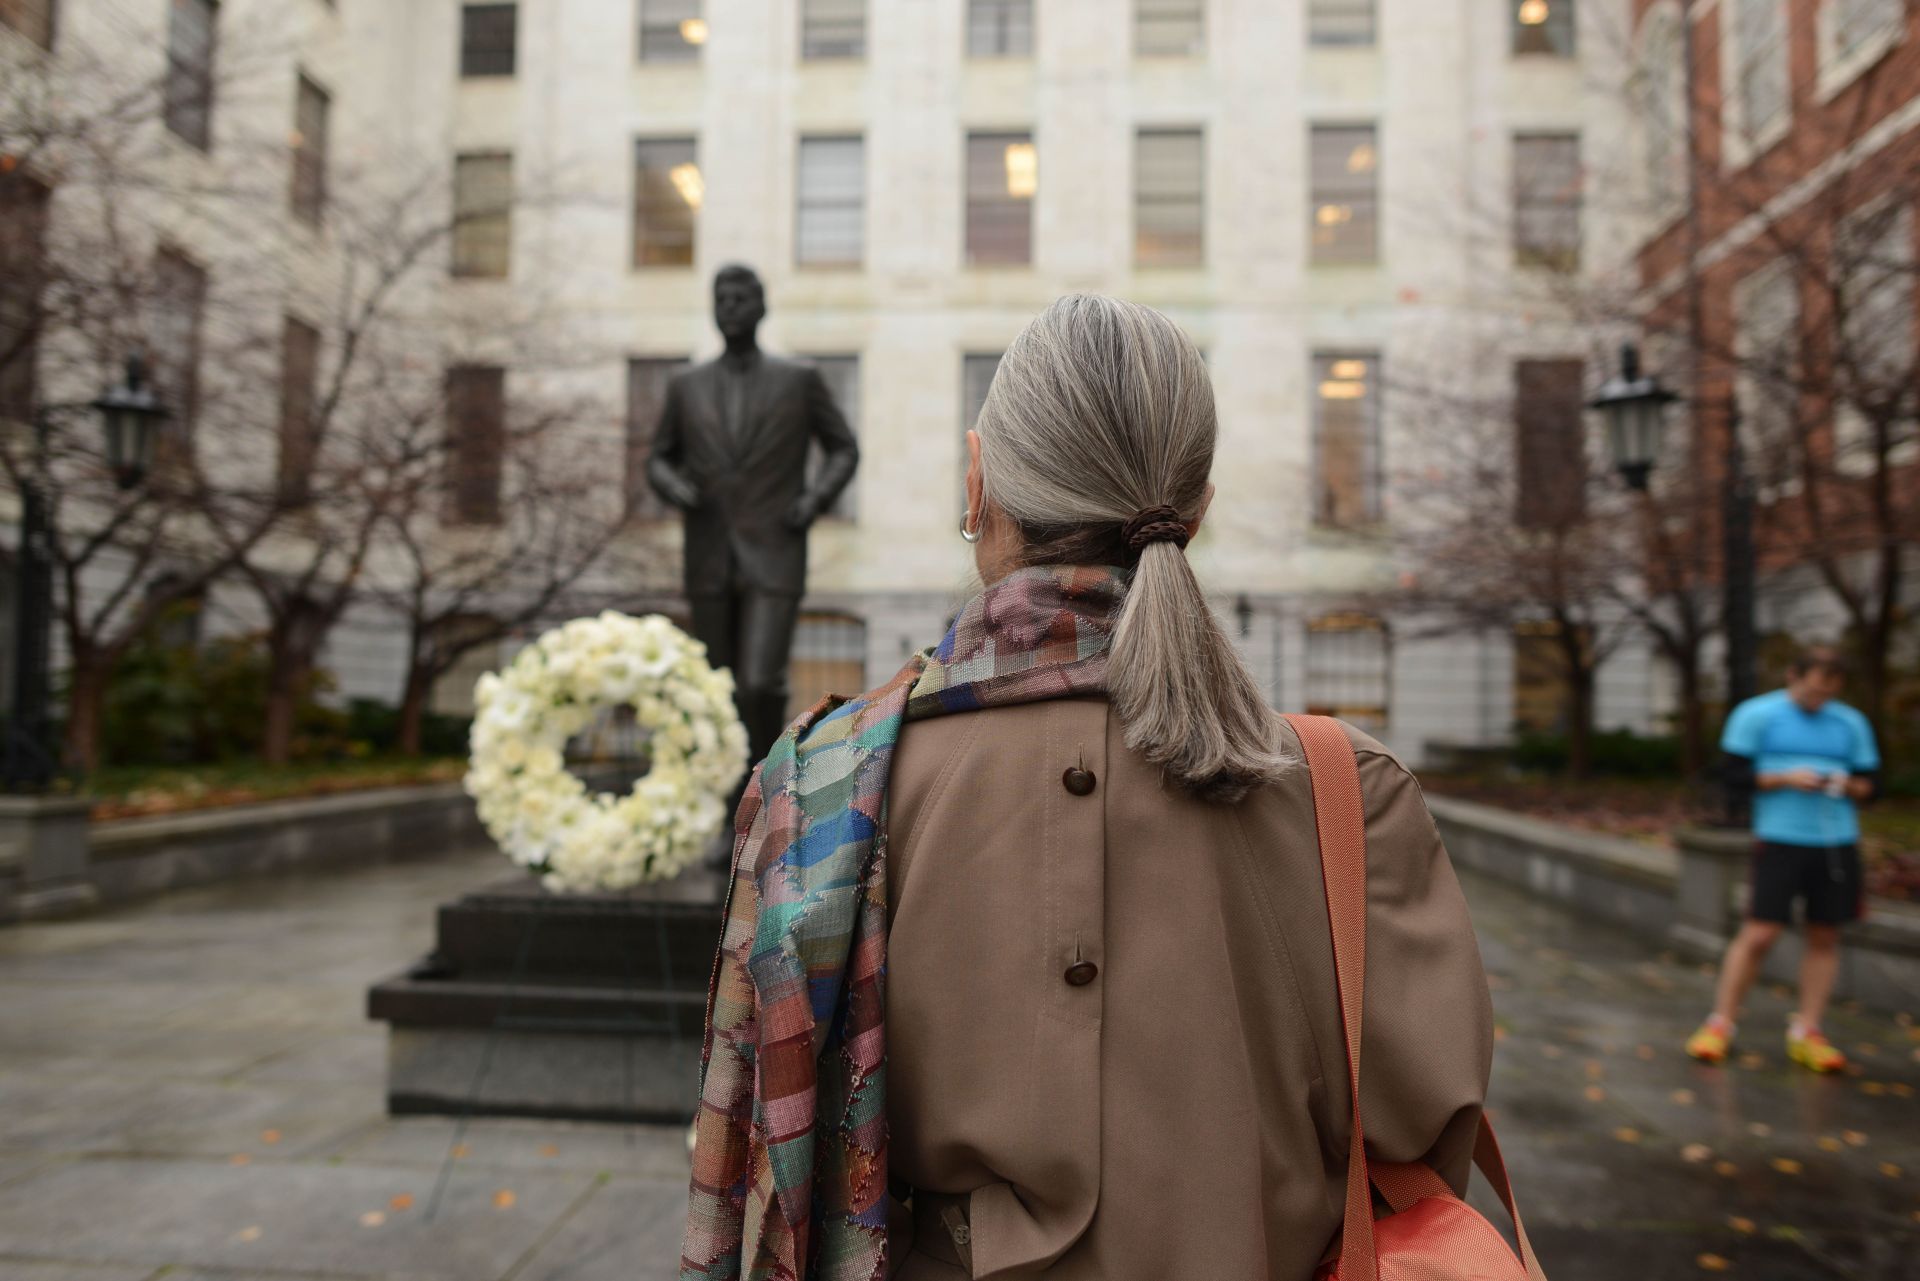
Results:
<point x="1808" y="760"/>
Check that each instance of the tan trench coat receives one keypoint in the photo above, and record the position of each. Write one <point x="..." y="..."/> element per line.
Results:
<point x="1180" y="1112"/>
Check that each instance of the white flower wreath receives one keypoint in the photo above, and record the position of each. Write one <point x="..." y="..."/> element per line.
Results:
<point x="543" y="816"/>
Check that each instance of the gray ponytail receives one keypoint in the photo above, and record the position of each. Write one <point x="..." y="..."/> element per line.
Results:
<point x="1100" y="410"/>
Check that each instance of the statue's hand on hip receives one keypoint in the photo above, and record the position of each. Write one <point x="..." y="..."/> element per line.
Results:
<point x="683" y="493"/>
<point x="801" y="515"/>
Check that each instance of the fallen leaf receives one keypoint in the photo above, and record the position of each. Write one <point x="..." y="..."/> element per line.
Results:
<point x="1854" y="1137"/>
<point x="239" y="1158"/>
<point x="1786" y="1165"/>
<point x="1759" y="1129"/>
<point x="1595" y="1069"/>
<point x="1866" y="1049"/>
<point x="461" y="1150"/>
<point x="1751" y="1061"/>
<point x="1683" y="1097"/>
<point x="1552" y="1051"/>
<point x="1695" y="1153"/>
<point x="550" y="1150"/>
<point x="1891" y="1170"/>
<point x="402" y="1202"/>
<point x="1595" y="1094"/>
<point x="1900" y="1090"/>
<point x="1499" y="1034"/>
<point x="1627" y="1134"/>
<point x="1712" y="1263"/>
<point x="1827" y="1143"/>
<point x="1644" y="1051"/>
<point x="269" y="1136"/>
<point x="253" y="1234"/>
<point x="503" y="1199"/>
<point x="1874" y="1088"/>
<point x="1745" y="1227"/>
<point x="372" y="1219"/>
<point x="1725" y="1169"/>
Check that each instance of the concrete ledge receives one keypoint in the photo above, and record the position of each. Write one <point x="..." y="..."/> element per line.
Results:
<point x="136" y="857"/>
<point x="1691" y="899"/>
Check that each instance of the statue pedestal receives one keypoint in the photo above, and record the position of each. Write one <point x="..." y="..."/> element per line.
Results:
<point x="587" y="1006"/>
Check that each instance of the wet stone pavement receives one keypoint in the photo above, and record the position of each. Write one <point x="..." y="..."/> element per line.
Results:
<point x="190" y="1090"/>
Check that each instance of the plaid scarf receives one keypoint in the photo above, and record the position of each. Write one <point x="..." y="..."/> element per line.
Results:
<point x="790" y="1166"/>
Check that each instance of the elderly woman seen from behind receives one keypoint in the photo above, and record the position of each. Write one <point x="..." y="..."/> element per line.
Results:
<point x="1027" y="965"/>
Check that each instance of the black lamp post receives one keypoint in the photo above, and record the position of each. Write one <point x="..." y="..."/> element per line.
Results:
<point x="1635" y="406"/>
<point x="130" y="413"/>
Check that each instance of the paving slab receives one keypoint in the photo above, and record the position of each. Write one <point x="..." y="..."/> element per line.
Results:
<point x="18" y="1269"/>
<point x="286" y="1216"/>
<point x="628" y="1228"/>
<point x="648" y="1151"/>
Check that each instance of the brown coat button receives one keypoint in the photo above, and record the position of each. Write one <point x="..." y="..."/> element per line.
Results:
<point x="1081" y="973"/>
<point x="1079" y="781"/>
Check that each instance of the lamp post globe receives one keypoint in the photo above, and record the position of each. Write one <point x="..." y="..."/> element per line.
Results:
<point x="131" y="414"/>
<point x="1635" y="406"/>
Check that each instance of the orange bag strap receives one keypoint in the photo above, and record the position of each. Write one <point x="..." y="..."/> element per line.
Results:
<point x="1341" y="819"/>
<point x="1339" y="814"/>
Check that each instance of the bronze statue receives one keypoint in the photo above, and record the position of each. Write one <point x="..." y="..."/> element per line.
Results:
<point x="731" y="454"/>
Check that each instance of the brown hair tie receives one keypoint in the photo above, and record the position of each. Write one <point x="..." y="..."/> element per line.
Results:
<point x="1155" y="525"/>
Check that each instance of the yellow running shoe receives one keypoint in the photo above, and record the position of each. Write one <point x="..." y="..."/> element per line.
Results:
<point x="1710" y="1043"/>
<point x="1813" y="1050"/>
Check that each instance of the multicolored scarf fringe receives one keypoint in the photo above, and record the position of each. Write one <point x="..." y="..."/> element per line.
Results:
<point x="790" y="1164"/>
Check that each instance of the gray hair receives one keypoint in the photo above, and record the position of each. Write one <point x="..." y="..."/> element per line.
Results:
<point x="1100" y="410"/>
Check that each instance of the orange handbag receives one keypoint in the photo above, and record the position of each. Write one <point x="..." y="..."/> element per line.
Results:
<point x="1430" y="1234"/>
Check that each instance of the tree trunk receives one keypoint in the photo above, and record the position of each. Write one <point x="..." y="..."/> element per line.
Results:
<point x="287" y="669"/>
<point x="1580" y="683"/>
<point x="1693" y="720"/>
<point x="413" y="709"/>
<point x="1873" y="663"/>
<point x="86" y="710"/>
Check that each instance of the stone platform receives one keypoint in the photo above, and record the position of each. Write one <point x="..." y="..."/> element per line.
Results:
<point x="584" y="1007"/>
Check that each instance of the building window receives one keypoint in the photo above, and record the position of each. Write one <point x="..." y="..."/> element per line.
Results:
<point x="188" y="108"/>
<point x="299" y="379"/>
<point x="829" y="657"/>
<point x="1546" y="200"/>
<point x="1169" y="26"/>
<point x="477" y="438"/>
<point x="488" y="39"/>
<point x="647" y="379"/>
<point x="1849" y="27"/>
<point x="1348" y="669"/>
<point x="667" y="191"/>
<point x="1003" y="172"/>
<point x="1543" y="26"/>
<point x="833" y="29"/>
<point x="1340" y="23"/>
<point x="1550" y="457"/>
<point x="1000" y="28"/>
<point x="1873" y="269"/>
<point x="173" y="340"/>
<point x="483" y="216"/>
<point x="832" y="199"/>
<point x="31" y="18"/>
<point x="23" y="281"/>
<point x="842" y="376"/>
<point x="1767" y="382"/>
<point x="1169" y="198"/>
<point x="1345" y="163"/>
<point x="312" y="109"/>
<point x="1759" y="71"/>
<point x="671" y="30"/>
<point x="1346" y="440"/>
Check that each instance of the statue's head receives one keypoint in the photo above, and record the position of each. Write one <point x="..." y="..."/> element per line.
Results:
<point x="739" y="302"/>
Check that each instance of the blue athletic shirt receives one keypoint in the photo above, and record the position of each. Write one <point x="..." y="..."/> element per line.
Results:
<point x="1777" y="734"/>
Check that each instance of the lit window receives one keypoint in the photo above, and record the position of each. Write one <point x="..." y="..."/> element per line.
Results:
<point x="1344" y="198"/>
<point x="1543" y="26"/>
<point x="671" y="30"/>
<point x="667" y="193"/>
<point x="1346" y="440"/>
<point x="1002" y="177"/>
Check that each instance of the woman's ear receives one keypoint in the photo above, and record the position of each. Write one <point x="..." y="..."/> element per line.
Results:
<point x="976" y="482"/>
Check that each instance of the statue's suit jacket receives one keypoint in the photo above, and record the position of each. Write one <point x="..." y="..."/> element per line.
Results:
<point x="737" y="535"/>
